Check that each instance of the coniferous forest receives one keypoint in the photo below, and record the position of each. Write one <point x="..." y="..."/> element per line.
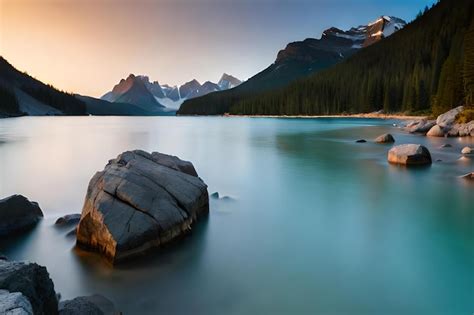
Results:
<point x="428" y="67"/>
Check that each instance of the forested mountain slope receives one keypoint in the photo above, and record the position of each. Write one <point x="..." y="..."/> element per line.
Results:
<point x="427" y="66"/>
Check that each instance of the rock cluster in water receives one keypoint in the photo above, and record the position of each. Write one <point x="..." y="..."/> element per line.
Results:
<point x="18" y="214"/>
<point x="138" y="202"/>
<point x="27" y="289"/>
<point x="444" y="126"/>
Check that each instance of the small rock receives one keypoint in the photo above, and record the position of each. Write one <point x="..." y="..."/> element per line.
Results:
<point x="447" y="145"/>
<point x="215" y="195"/>
<point x="385" y="138"/>
<point x="469" y="176"/>
<point x="90" y="305"/>
<point x="18" y="214"/>
<point x="72" y="233"/>
<point x="435" y="131"/>
<point x="68" y="219"/>
<point x="409" y="155"/>
<point x="467" y="150"/>
<point x="14" y="304"/>
<point x="361" y="141"/>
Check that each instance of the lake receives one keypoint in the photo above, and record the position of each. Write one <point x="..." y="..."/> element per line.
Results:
<point x="317" y="223"/>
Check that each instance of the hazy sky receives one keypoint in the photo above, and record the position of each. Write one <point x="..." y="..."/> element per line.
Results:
<point x="87" y="46"/>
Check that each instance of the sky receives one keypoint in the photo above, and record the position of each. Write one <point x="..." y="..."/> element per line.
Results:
<point x="87" y="46"/>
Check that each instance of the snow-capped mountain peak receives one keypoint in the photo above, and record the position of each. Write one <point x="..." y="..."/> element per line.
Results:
<point x="167" y="95"/>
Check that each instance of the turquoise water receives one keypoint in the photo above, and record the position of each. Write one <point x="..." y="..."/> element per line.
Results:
<point x="317" y="224"/>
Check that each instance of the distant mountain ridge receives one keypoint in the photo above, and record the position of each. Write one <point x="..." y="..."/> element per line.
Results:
<point x="21" y="94"/>
<point x="297" y="60"/>
<point x="140" y="91"/>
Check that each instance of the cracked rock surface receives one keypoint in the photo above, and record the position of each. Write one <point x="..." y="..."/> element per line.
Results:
<point x="138" y="202"/>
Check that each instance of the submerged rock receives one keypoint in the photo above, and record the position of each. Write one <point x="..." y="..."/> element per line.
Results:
<point x="33" y="282"/>
<point x="410" y="155"/>
<point x="447" y="145"/>
<point x="447" y="119"/>
<point x="138" y="202"/>
<point x="90" y="305"/>
<point x="215" y="195"/>
<point x="68" y="219"/>
<point x="18" y="214"/>
<point x="435" y="131"/>
<point x="385" y="138"/>
<point x="14" y="303"/>
<point x="467" y="151"/>
<point x="361" y="141"/>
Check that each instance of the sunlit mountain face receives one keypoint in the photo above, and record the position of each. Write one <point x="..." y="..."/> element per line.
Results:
<point x="139" y="90"/>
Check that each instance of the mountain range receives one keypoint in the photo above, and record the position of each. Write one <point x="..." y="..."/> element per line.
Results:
<point x="152" y="96"/>
<point x="297" y="60"/>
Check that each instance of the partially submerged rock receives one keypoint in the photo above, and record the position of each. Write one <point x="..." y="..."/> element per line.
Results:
<point x="409" y="155"/>
<point x="18" y="214"/>
<point x="361" y="141"/>
<point x="467" y="151"/>
<point x="68" y="219"/>
<point x="32" y="281"/>
<point x="90" y="305"/>
<point x="14" y="303"/>
<point x="385" y="138"/>
<point x="469" y="176"/>
<point x="435" y="131"/>
<point x="138" y="202"/>
<point x="447" y="145"/>
<point x="215" y="195"/>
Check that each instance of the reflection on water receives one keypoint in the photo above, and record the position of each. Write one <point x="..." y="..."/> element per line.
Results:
<point x="319" y="224"/>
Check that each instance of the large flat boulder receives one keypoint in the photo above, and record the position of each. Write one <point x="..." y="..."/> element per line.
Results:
<point x="32" y="281"/>
<point x="18" y="214"/>
<point x="90" y="305"/>
<point x="447" y="119"/>
<point x="409" y="155"/>
<point x="138" y="202"/>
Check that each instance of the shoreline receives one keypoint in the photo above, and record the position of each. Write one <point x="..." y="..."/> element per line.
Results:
<point x="368" y="115"/>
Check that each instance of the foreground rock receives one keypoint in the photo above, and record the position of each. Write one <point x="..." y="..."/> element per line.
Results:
<point x="32" y="281"/>
<point x="90" y="305"/>
<point x="26" y="289"/>
<point x="14" y="303"/>
<point x="18" y="214"/>
<point x="410" y="155"/>
<point x="385" y="138"/>
<point x="138" y="202"/>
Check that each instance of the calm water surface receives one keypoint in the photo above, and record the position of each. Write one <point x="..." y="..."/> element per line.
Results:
<point x="318" y="224"/>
